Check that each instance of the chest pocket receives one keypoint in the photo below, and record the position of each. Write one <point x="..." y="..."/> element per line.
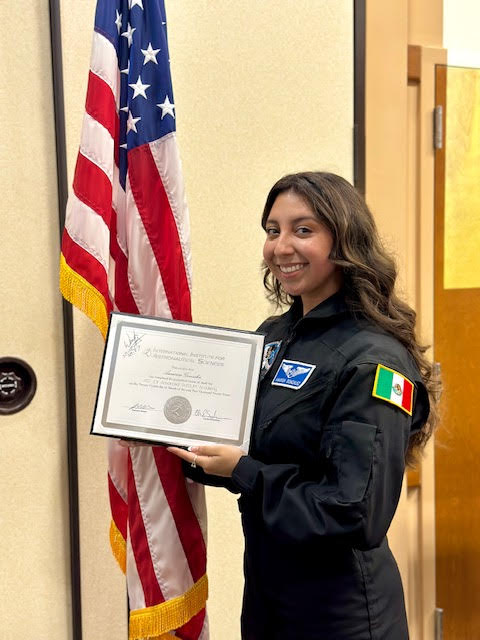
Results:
<point x="292" y="430"/>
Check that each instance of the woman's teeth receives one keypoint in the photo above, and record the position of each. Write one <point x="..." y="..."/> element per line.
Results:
<point x="290" y="268"/>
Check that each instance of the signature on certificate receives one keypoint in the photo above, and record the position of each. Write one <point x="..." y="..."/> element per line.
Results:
<point x="209" y="414"/>
<point x="132" y="343"/>
<point x="141" y="407"/>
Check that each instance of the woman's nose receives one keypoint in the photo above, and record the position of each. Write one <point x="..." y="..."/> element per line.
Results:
<point x="283" y="244"/>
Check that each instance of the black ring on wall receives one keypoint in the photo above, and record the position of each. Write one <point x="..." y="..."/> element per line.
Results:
<point x="18" y="384"/>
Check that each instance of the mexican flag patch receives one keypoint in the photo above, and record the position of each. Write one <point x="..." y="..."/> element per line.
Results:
<point x="391" y="386"/>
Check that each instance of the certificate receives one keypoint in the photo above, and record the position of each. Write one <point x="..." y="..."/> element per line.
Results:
<point x="178" y="383"/>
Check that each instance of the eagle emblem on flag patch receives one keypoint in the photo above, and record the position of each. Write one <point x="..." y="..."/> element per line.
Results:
<point x="393" y="387"/>
<point x="293" y="374"/>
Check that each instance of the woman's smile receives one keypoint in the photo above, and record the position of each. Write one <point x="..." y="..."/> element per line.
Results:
<point x="289" y="269"/>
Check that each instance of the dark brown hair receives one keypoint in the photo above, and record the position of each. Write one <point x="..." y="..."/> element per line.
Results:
<point x="369" y="272"/>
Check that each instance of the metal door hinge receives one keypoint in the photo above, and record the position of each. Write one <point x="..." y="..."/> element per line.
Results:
<point x="438" y="624"/>
<point x="438" y="127"/>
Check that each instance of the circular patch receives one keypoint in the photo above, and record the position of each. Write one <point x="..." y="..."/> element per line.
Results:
<point x="177" y="409"/>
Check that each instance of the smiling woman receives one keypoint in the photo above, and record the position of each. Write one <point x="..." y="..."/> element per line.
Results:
<point x="297" y="251"/>
<point x="345" y="400"/>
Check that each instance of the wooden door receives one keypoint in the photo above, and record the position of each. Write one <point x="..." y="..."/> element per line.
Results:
<point x="457" y="348"/>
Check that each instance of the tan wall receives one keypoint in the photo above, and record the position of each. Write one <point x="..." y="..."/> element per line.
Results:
<point x="261" y="89"/>
<point x="425" y="22"/>
<point x="34" y="568"/>
<point x="273" y="95"/>
<point x="460" y="28"/>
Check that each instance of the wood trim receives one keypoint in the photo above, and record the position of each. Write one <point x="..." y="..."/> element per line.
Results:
<point x="414" y="478"/>
<point x="414" y="72"/>
<point x="414" y="63"/>
<point x="359" y="40"/>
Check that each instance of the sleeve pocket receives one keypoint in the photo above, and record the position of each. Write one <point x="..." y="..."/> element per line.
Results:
<point x="355" y="451"/>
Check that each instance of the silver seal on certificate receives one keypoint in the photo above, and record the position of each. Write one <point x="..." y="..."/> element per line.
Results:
<point x="177" y="409"/>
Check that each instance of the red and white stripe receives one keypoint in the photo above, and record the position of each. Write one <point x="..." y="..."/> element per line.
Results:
<point x="133" y="247"/>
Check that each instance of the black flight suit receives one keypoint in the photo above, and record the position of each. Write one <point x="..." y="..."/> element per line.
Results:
<point x="322" y="481"/>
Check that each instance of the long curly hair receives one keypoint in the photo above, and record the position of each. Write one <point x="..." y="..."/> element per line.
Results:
<point x="369" y="272"/>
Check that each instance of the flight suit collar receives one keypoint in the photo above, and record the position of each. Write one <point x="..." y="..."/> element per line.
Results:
<point x="333" y="306"/>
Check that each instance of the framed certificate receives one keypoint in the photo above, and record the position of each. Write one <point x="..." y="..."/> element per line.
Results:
<point x="179" y="383"/>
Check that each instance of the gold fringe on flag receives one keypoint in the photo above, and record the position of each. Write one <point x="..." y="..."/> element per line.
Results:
<point x="119" y="546"/>
<point x="83" y="295"/>
<point x="155" y="622"/>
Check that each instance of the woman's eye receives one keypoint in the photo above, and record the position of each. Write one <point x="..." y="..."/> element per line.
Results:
<point x="303" y="230"/>
<point x="271" y="231"/>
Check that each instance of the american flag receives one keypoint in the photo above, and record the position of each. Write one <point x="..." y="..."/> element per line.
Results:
<point x="126" y="247"/>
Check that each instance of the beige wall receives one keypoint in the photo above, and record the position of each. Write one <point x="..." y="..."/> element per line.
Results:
<point x="261" y="89"/>
<point x="460" y="28"/>
<point x="34" y="568"/>
<point x="268" y="90"/>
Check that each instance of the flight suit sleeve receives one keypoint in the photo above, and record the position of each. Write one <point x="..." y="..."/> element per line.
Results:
<point x="198" y="475"/>
<point x="361" y="461"/>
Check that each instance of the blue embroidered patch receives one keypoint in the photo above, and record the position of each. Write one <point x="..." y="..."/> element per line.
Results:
<point x="293" y="374"/>
<point x="269" y="354"/>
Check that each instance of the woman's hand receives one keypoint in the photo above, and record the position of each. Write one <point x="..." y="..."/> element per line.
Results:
<point x="216" y="459"/>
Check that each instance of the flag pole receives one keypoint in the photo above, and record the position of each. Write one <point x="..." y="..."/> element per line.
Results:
<point x="71" y="413"/>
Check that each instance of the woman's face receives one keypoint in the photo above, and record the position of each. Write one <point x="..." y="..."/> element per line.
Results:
<point x="297" y="250"/>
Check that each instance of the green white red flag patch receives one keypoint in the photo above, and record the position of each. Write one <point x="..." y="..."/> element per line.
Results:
<point x="392" y="387"/>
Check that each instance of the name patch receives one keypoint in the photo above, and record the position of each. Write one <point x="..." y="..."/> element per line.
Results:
<point x="293" y="374"/>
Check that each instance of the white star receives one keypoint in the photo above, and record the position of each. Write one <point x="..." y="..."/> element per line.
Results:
<point x="167" y="107"/>
<point x="124" y="109"/>
<point x="139" y="88"/>
<point x="132" y="3"/>
<point x="128" y="34"/>
<point x="150" y="54"/>
<point x="127" y="69"/>
<point x="118" y="21"/>
<point x="131" y="122"/>
<point x="123" y="146"/>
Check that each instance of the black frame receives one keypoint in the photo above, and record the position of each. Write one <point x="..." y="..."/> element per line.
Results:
<point x="62" y="189"/>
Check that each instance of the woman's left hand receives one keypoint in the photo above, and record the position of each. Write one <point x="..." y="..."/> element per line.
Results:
<point x="216" y="459"/>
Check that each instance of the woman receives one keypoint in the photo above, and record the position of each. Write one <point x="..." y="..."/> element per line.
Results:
<point x="344" y="402"/>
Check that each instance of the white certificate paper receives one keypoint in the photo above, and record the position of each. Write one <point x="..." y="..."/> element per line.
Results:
<point x="177" y="383"/>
